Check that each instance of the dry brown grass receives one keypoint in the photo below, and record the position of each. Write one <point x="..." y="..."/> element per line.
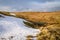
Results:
<point x="39" y="16"/>
<point x="49" y="32"/>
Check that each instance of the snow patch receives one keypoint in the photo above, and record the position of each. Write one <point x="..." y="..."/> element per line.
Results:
<point x="13" y="14"/>
<point x="10" y="26"/>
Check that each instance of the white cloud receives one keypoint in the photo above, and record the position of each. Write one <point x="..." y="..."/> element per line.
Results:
<point x="4" y="8"/>
<point x="7" y="8"/>
<point x="33" y="6"/>
<point x="46" y="6"/>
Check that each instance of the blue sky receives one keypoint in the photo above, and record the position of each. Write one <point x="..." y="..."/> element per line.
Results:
<point x="29" y="5"/>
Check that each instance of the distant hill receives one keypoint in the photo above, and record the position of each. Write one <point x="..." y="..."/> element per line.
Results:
<point x="35" y="16"/>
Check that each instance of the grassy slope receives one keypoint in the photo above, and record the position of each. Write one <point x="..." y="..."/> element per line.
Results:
<point x="39" y="16"/>
<point x="36" y="16"/>
<point x="50" y="32"/>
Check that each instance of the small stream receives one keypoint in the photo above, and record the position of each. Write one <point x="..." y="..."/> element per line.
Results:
<point x="11" y="26"/>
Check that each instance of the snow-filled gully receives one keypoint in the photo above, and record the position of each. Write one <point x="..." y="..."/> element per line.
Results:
<point x="11" y="26"/>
